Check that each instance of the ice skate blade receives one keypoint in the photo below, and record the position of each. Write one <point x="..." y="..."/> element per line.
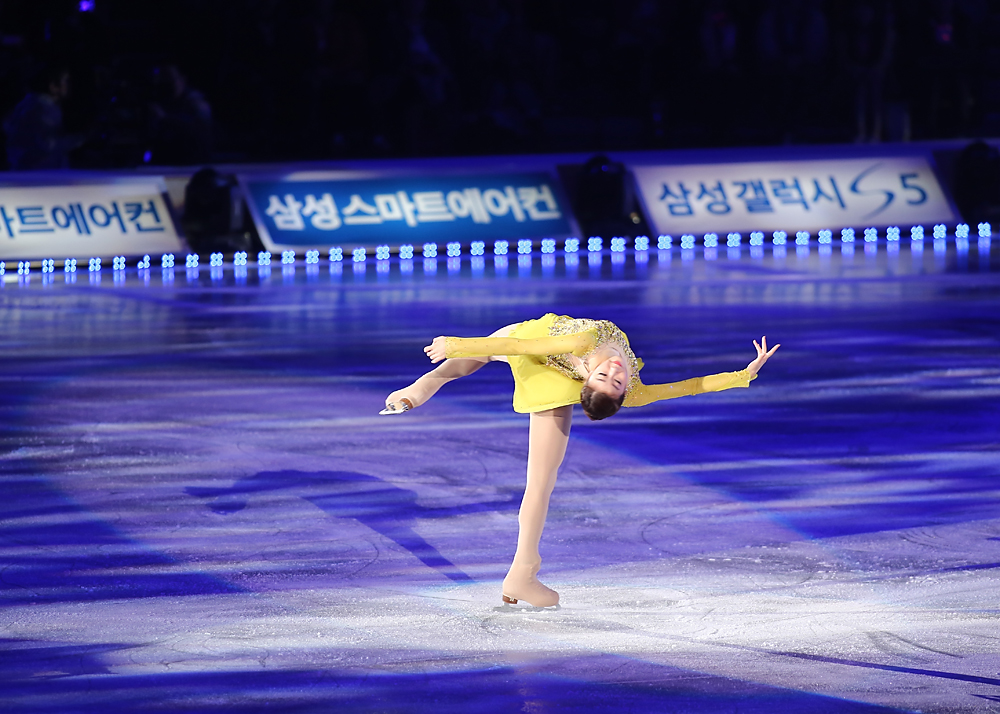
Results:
<point x="404" y="405"/>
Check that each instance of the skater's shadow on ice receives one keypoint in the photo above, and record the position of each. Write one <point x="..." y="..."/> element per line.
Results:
<point x="385" y="508"/>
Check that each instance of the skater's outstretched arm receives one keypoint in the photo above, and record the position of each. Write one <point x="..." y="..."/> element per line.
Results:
<point x="642" y="394"/>
<point x="427" y="386"/>
<point x="450" y="347"/>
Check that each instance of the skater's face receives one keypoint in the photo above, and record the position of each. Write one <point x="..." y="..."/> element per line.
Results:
<point x="610" y="377"/>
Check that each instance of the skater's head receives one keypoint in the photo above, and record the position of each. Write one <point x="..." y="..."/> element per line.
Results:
<point x="604" y="389"/>
<point x="599" y="405"/>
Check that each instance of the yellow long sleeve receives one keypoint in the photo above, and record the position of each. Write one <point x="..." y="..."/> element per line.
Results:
<point x="578" y="343"/>
<point x="643" y="394"/>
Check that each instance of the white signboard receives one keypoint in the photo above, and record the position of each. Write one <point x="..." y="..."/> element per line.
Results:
<point x="86" y="220"/>
<point x="792" y="195"/>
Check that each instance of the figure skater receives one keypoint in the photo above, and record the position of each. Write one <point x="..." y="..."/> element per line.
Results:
<point x="557" y="361"/>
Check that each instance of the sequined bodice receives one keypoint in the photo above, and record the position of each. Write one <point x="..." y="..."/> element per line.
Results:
<point x="607" y="333"/>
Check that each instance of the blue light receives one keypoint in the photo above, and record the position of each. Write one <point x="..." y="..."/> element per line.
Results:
<point x="191" y="261"/>
<point x="430" y="250"/>
<point x="406" y="251"/>
<point x="641" y="243"/>
<point x="69" y="265"/>
<point x="733" y="240"/>
<point x="359" y="255"/>
<point x="617" y="245"/>
<point x="453" y="250"/>
<point x="664" y="242"/>
<point x="962" y="230"/>
<point x="757" y="238"/>
<point x="916" y="233"/>
<point x="825" y="237"/>
<point x="595" y="243"/>
<point x="687" y="241"/>
<point x="264" y="258"/>
<point x="548" y="246"/>
<point x="288" y="257"/>
<point x="382" y="252"/>
<point x="847" y="235"/>
<point x="892" y="233"/>
<point x="802" y="238"/>
<point x="48" y="265"/>
<point x="711" y="240"/>
<point x="572" y="245"/>
<point x="240" y="258"/>
<point x="940" y="231"/>
<point x="143" y="264"/>
<point x="871" y="235"/>
<point x="167" y="260"/>
<point x="500" y="247"/>
<point x="524" y="246"/>
<point x="95" y="265"/>
<point x="24" y="267"/>
<point x="985" y="230"/>
<point x="3" y="268"/>
<point x="477" y="248"/>
<point x="779" y="238"/>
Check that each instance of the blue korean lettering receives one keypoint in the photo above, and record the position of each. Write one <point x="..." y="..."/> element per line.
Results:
<point x="677" y="203"/>
<point x="136" y="210"/>
<point x="789" y="192"/>
<point x="71" y="215"/>
<point x="757" y="201"/>
<point x="718" y="205"/>
<point x="820" y="194"/>
<point x="102" y="217"/>
<point x="7" y="220"/>
<point x="33" y="220"/>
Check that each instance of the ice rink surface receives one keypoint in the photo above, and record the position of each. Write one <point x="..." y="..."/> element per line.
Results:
<point x="202" y="510"/>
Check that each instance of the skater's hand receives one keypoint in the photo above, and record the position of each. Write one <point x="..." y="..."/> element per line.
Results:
<point x="436" y="350"/>
<point x="762" y="354"/>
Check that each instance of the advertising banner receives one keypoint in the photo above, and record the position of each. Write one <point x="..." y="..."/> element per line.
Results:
<point x="86" y="220"/>
<point x="792" y="195"/>
<point x="322" y="212"/>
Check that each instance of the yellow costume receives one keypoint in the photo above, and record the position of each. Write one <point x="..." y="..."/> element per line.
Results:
<point x="544" y="377"/>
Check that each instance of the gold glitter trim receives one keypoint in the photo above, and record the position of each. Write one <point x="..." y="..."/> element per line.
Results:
<point x="607" y="333"/>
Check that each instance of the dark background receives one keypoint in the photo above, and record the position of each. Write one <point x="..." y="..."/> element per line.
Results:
<point x="327" y="79"/>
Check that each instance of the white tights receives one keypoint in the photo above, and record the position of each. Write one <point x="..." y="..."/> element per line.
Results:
<point x="548" y="436"/>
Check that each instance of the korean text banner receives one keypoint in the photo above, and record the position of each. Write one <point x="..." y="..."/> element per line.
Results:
<point x="792" y="195"/>
<point x="394" y="211"/>
<point x="86" y="220"/>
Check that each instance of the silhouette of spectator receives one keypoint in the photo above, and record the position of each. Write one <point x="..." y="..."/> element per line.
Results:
<point x="868" y="48"/>
<point x="793" y="46"/>
<point x="35" y="137"/>
<point x="180" y="120"/>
